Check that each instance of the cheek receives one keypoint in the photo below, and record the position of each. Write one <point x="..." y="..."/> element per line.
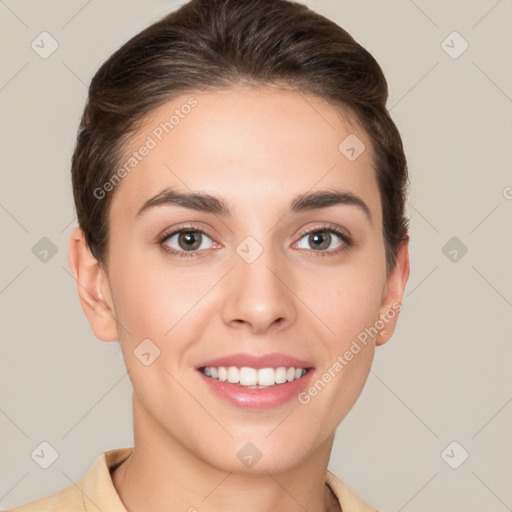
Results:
<point x="157" y="299"/>
<point x="346" y="299"/>
<point x="350" y="309"/>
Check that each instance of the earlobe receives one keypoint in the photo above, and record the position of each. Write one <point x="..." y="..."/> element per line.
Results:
<point x="392" y="301"/>
<point x="93" y="288"/>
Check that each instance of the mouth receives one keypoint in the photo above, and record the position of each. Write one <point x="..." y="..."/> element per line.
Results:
<point x="254" y="378"/>
<point x="256" y="381"/>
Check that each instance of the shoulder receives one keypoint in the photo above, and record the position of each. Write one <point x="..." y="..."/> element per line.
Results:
<point x="68" y="499"/>
<point x="349" y="501"/>
<point x="95" y="491"/>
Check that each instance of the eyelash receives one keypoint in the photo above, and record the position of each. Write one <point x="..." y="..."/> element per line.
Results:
<point x="346" y="239"/>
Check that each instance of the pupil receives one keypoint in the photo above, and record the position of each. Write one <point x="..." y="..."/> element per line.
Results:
<point x="191" y="242"/>
<point x="318" y="236"/>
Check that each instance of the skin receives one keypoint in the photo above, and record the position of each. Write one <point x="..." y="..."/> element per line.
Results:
<point x="258" y="148"/>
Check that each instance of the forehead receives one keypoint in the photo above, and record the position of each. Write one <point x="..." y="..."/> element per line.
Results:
<point x="247" y="145"/>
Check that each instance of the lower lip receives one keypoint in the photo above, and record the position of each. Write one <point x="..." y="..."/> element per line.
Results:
<point x="252" y="398"/>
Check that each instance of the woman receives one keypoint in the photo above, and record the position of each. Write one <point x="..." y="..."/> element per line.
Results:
<point x="240" y="191"/>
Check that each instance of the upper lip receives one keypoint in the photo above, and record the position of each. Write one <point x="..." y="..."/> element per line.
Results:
<point x="274" y="360"/>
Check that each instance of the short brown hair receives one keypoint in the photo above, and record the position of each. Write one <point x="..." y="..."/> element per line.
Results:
<point x="208" y="44"/>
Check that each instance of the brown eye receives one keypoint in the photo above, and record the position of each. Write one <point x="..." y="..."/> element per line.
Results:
<point x="321" y="240"/>
<point x="186" y="240"/>
<point x="189" y="240"/>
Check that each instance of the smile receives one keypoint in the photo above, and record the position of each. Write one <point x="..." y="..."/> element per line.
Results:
<point x="252" y="377"/>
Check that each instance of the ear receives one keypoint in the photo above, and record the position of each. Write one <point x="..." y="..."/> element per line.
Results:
<point x="93" y="288"/>
<point x="392" y="297"/>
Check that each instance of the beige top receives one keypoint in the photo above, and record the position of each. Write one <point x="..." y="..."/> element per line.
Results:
<point x="95" y="491"/>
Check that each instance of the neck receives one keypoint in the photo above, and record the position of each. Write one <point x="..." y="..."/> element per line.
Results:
<point x="162" y="475"/>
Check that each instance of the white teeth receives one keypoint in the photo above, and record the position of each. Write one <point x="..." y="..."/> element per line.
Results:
<point x="280" y="375"/>
<point x="252" y="377"/>
<point x="248" y="376"/>
<point x="233" y="374"/>
<point x="223" y="373"/>
<point x="266" y="377"/>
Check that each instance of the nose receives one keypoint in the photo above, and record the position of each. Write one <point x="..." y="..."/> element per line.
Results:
<point x="258" y="295"/>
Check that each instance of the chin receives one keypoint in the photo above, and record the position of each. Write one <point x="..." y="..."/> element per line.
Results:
<point x="260" y="455"/>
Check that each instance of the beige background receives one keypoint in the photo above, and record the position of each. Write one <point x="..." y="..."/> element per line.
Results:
<point x="445" y="376"/>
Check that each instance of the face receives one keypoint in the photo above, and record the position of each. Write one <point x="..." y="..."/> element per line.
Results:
<point x="248" y="276"/>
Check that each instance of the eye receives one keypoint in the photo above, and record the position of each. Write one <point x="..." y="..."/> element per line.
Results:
<point x="189" y="241"/>
<point x="185" y="240"/>
<point x="327" y="239"/>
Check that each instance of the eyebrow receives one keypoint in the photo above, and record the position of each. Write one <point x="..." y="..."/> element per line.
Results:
<point x="216" y="205"/>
